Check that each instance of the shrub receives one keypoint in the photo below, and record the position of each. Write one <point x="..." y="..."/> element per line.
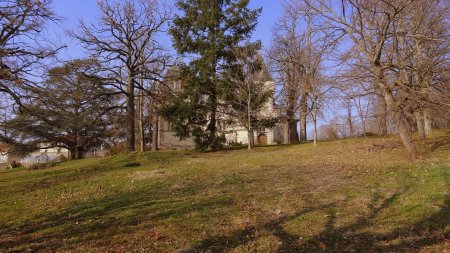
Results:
<point x="15" y="164"/>
<point x="133" y="164"/>
<point x="116" y="150"/>
<point x="235" y="144"/>
<point x="328" y="132"/>
<point x="40" y="166"/>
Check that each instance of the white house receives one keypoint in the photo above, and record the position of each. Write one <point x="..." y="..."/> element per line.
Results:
<point x="234" y="133"/>
<point x="45" y="155"/>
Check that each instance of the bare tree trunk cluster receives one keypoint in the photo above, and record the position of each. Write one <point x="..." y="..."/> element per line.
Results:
<point x="303" y="116"/>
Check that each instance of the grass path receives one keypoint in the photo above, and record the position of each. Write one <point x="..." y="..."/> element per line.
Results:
<point x="356" y="195"/>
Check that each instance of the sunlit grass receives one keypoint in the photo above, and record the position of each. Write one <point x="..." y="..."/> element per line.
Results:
<point x="346" y="195"/>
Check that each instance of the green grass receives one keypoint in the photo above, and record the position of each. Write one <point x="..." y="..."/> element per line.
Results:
<point x="354" y="195"/>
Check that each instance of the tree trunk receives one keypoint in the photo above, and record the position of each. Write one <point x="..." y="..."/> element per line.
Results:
<point x="382" y="114"/>
<point x="285" y="129"/>
<point x="420" y="123"/>
<point x="400" y="120"/>
<point x="249" y="118"/>
<point x="141" y="121"/>
<point x="130" y="131"/>
<point x="303" y="114"/>
<point x="155" y="132"/>
<point x="290" y="115"/>
<point x="405" y="135"/>
<point x="293" y="132"/>
<point x="364" y="126"/>
<point x="427" y="123"/>
<point x="72" y="153"/>
<point x="249" y="135"/>
<point x="212" y="128"/>
<point x="422" y="78"/>
<point x="78" y="150"/>
<point x="350" y="119"/>
<point x="315" y="126"/>
<point x="79" y="153"/>
<point x="315" y="133"/>
<point x="286" y="139"/>
<point x="292" y="126"/>
<point x="397" y="114"/>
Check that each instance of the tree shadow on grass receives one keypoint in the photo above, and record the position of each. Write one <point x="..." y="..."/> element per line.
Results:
<point x="95" y="221"/>
<point x="348" y="238"/>
<point x="441" y="142"/>
<point x="241" y="237"/>
<point x="95" y="168"/>
<point x="101" y="219"/>
<point x="353" y="238"/>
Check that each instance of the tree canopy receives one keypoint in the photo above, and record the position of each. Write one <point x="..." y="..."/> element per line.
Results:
<point x="71" y="111"/>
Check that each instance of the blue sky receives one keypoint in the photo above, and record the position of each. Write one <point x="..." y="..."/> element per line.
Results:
<point x="73" y="10"/>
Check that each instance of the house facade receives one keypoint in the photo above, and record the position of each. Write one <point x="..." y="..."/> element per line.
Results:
<point x="46" y="154"/>
<point x="7" y="155"/>
<point x="167" y="138"/>
<point x="235" y="133"/>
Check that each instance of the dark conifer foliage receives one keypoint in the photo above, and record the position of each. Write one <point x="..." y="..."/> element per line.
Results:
<point x="207" y="32"/>
<point x="72" y="111"/>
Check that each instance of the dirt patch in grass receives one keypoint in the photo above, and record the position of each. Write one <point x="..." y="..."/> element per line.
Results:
<point x="386" y="145"/>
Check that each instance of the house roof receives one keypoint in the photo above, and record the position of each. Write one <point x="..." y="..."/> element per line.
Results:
<point x="5" y="147"/>
<point x="173" y="73"/>
<point x="263" y="75"/>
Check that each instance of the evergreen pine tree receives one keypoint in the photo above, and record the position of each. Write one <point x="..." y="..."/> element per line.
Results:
<point x="207" y="32"/>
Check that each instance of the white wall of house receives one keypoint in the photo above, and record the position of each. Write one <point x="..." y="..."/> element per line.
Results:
<point x="3" y="157"/>
<point x="55" y="150"/>
<point x="167" y="138"/>
<point x="241" y="136"/>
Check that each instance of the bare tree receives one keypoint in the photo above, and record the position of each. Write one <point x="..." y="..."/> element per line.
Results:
<point x="125" y="39"/>
<point x="372" y="28"/>
<point x="299" y="50"/>
<point x="362" y="105"/>
<point x="251" y="93"/>
<point x="286" y="58"/>
<point x="421" y="56"/>
<point x="317" y="99"/>
<point x="22" y="47"/>
<point x="348" y="105"/>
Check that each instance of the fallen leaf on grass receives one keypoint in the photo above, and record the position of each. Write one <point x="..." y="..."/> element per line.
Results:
<point x="155" y="235"/>
<point x="322" y="246"/>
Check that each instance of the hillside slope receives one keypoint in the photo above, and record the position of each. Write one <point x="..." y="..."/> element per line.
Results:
<point x="360" y="195"/>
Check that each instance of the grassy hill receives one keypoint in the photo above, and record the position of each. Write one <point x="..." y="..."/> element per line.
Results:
<point x="354" y="195"/>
